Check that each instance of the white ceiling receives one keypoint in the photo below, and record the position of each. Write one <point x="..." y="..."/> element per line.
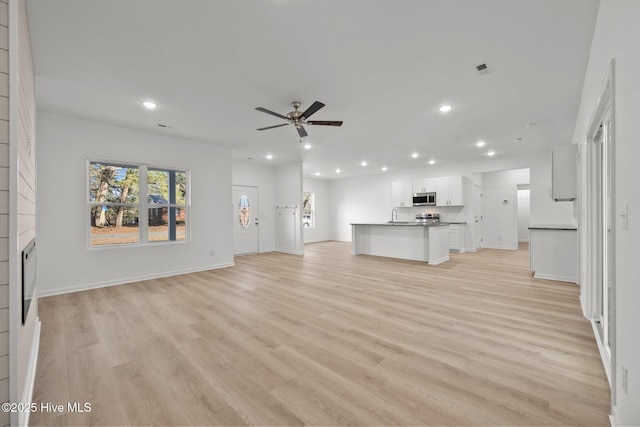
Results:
<point x="382" y="66"/>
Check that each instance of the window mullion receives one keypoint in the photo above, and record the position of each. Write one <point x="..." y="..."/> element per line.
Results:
<point x="143" y="210"/>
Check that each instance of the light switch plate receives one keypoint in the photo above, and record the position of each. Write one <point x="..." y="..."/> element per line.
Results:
<point x="625" y="217"/>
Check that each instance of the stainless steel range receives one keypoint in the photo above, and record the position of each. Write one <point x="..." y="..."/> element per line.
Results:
<point x="427" y="218"/>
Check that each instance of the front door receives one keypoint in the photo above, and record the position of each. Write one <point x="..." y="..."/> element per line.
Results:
<point x="245" y="220"/>
<point x="478" y="232"/>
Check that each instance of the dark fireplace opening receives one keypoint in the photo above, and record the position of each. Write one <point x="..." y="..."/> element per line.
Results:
<point x="29" y="261"/>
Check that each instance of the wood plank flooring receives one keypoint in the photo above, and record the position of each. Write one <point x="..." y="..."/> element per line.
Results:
<point x="326" y="339"/>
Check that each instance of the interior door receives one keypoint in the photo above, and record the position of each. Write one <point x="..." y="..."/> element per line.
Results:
<point x="245" y="220"/>
<point x="478" y="233"/>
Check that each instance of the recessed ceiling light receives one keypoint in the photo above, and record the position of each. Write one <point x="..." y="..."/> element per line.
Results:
<point x="269" y="156"/>
<point x="149" y="104"/>
<point x="307" y="146"/>
<point x="445" y="108"/>
<point x="491" y="153"/>
<point x="337" y="170"/>
<point x="414" y="155"/>
<point x="480" y="143"/>
<point x="363" y="163"/>
<point x="432" y="162"/>
<point x="317" y="173"/>
<point x="384" y="169"/>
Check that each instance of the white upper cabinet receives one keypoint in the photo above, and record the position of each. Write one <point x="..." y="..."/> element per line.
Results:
<point x="402" y="194"/>
<point x="450" y="191"/>
<point x="424" y="185"/>
<point x="563" y="172"/>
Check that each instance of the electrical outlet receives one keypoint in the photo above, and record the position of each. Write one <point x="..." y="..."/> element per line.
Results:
<point x="624" y="380"/>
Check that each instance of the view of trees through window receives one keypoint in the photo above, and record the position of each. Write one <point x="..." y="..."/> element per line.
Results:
<point x="123" y="212"/>
<point x="167" y="199"/>
<point x="308" y="208"/>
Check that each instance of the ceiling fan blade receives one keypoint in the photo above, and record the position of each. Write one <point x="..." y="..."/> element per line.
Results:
<point x="271" y="127"/>
<point x="302" y="132"/>
<point x="264" y="110"/>
<point x="326" y="122"/>
<point x="314" y="107"/>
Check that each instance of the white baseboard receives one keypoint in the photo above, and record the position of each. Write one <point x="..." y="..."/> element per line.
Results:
<point x="438" y="261"/>
<point x="554" y="277"/>
<point x="27" y="397"/>
<point x="86" y="287"/>
<point x="613" y="420"/>
<point x="290" y="251"/>
<point x="604" y="355"/>
<point x="506" y="248"/>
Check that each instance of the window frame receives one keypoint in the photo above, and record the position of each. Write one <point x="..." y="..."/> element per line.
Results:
<point x="143" y="205"/>
<point x="312" y="211"/>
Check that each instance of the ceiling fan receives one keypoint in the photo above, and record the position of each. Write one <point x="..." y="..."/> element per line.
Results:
<point x="299" y="118"/>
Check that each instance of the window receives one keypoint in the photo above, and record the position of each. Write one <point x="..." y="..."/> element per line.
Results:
<point x="132" y="204"/>
<point x="167" y="204"/>
<point x="308" y="210"/>
<point x="244" y="212"/>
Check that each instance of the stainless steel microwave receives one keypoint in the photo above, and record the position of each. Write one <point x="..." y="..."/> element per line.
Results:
<point x="424" y="199"/>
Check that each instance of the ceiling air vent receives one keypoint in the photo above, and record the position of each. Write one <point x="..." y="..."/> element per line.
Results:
<point x="483" y="69"/>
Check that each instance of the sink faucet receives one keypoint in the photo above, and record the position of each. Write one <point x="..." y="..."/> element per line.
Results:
<point x="394" y="212"/>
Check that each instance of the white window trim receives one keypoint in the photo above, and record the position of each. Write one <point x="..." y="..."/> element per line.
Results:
<point x="143" y="205"/>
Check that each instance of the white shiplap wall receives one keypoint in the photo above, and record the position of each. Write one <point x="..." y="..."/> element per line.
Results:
<point x="4" y="208"/>
<point x="20" y="174"/>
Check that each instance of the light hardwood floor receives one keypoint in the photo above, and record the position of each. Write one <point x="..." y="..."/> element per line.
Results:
<point x="326" y="339"/>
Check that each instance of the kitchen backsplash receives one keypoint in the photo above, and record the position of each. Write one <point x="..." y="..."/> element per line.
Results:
<point x="447" y="214"/>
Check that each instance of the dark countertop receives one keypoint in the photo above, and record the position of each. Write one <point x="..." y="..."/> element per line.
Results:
<point x="553" y="227"/>
<point x="404" y="223"/>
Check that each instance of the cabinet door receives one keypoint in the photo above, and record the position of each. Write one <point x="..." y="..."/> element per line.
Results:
<point x="563" y="172"/>
<point x="408" y="194"/>
<point x="401" y="194"/>
<point x="424" y="185"/>
<point x="442" y="191"/>
<point x="456" y="192"/>
<point x="454" y="237"/>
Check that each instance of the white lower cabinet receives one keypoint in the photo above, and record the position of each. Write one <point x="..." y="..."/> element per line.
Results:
<point x="457" y="237"/>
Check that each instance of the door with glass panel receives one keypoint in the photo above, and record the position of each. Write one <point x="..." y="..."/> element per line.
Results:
<point x="245" y="220"/>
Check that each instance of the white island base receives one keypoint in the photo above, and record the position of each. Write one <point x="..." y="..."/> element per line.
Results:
<point x="410" y="241"/>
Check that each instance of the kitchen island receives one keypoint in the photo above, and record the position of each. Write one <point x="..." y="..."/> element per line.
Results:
<point x="406" y="240"/>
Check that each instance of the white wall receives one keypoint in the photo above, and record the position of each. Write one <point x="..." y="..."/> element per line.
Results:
<point x="289" y="219"/>
<point x="617" y="35"/>
<point x="524" y="211"/>
<point x="322" y="221"/>
<point x="500" y="207"/>
<point x="264" y="178"/>
<point x="65" y="262"/>
<point x="368" y="198"/>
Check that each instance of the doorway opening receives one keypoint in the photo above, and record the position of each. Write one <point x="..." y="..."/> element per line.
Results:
<point x="524" y="210"/>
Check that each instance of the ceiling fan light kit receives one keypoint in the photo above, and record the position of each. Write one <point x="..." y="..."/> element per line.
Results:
<point x="299" y="118"/>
